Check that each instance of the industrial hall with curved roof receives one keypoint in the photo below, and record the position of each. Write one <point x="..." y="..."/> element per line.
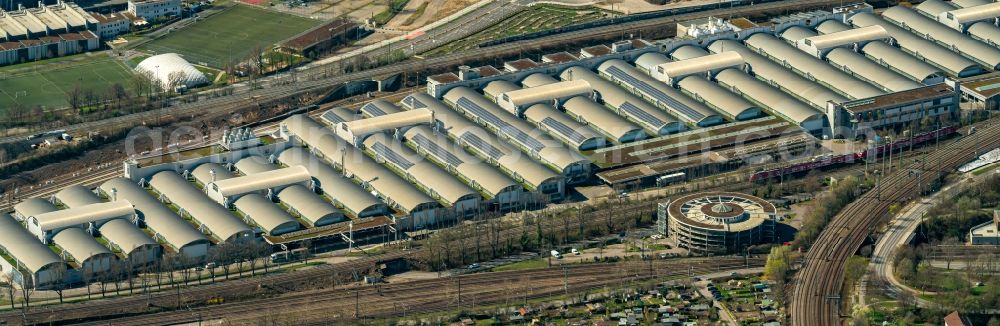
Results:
<point x="721" y="95"/>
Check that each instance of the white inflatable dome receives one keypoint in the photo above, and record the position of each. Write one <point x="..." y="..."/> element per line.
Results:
<point x="172" y="71"/>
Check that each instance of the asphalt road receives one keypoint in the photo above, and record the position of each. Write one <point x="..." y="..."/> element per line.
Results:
<point x="899" y="232"/>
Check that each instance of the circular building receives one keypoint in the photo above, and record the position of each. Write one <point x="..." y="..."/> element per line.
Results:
<point x="171" y="72"/>
<point x="717" y="222"/>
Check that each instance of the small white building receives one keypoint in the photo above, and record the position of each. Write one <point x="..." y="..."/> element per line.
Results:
<point x="153" y="9"/>
<point x="987" y="233"/>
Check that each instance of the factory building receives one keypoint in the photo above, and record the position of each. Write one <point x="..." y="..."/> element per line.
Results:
<point x="982" y="53"/>
<point x="585" y="113"/>
<point x="74" y="245"/>
<point x="546" y="117"/>
<point x="889" y="56"/>
<point x="717" y="222"/>
<point x="535" y="176"/>
<point x="190" y="201"/>
<point x="251" y="196"/>
<point x="495" y="187"/>
<point x="637" y="110"/>
<point x="987" y="233"/>
<point x="300" y="200"/>
<point x="729" y="105"/>
<point x="27" y="260"/>
<point x="977" y="19"/>
<point x="919" y="47"/>
<point x="832" y="48"/>
<point x="122" y="234"/>
<point x="421" y="209"/>
<point x="659" y="94"/>
<point x="573" y="166"/>
<point x="345" y="194"/>
<point x="166" y="227"/>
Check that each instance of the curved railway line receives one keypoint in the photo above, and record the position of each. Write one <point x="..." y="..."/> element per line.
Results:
<point x="817" y="286"/>
<point x="442" y="294"/>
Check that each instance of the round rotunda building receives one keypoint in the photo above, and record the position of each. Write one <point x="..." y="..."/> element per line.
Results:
<point x="717" y="222"/>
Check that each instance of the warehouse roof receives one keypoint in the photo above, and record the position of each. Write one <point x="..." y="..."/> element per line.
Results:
<point x="310" y="206"/>
<point x="494" y="88"/>
<point x="888" y="55"/>
<point x="342" y="190"/>
<point x="731" y="105"/>
<point x="538" y="79"/>
<point x="426" y="140"/>
<point x="862" y="67"/>
<point x="157" y="216"/>
<point x="218" y="219"/>
<point x="637" y="110"/>
<point x="702" y="64"/>
<point x="254" y="164"/>
<point x="985" y="54"/>
<point x="660" y="94"/>
<point x="867" y="33"/>
<point x="360" y="128"/>
<point x="986" y="32"/>
<point x="600" y="118"/>
<point x="34" y="206"/>
<point x="950" y="61"/>
<point x="80" y="245"/>
<point x="430" y="176"/>
<point x="255" y="206"/>
<point x="790" y="82"/>
<point x="261" y="181"/>
<point x="31" y="253"/>
<point x="305" y="202"/>
<point x="932" y="8"/>
<point x="475" y="137"/>
<point x="76" y="195"/>
<point x="377" y="108"/>
<point x="976" y="13"/>
<point x="73" y="216"/>
<point x="266" y="214"/>
<point x="812" y="66"/>
<point x="547" y="92"/>
<point x="561" y="126"/>
<point x="518" y="130"/>
<point x="203" y="173"/>
<point x="120" y="232"/>
<point x="970" y="3"/>
<point x="388" y="184"/>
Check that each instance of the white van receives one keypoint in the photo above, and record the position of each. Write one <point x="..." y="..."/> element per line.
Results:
<point x="556" y="254"/>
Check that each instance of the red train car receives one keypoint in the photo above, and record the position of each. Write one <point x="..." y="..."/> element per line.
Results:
<point x="853" y="157"/>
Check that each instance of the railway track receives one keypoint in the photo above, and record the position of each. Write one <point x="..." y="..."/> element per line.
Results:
<point x="428" y="296"/>
<point x="137" y="303"/>
<point x="817" y="286"/>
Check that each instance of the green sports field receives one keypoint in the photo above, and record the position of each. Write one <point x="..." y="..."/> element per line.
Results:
<point x="47" y="85"/>
<point x="230" y="36"/>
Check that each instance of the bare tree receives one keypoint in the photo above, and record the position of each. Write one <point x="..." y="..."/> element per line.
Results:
<point x="10" y="279"/>
<point x="27" y="289"/>
<point x="75" y="97"/>
<point x="58" y="275"/>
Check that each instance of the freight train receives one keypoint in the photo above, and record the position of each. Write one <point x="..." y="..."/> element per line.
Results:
<point x="830" y="160"/>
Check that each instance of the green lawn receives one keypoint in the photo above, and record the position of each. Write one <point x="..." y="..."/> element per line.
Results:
<point x="527" y="264"/>
<point x="48" y="85"/>
<point x="230" y="36"/>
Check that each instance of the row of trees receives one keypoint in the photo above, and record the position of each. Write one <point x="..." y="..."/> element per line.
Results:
<point x="825" y="206"/>
<point x="488" y="237"/>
